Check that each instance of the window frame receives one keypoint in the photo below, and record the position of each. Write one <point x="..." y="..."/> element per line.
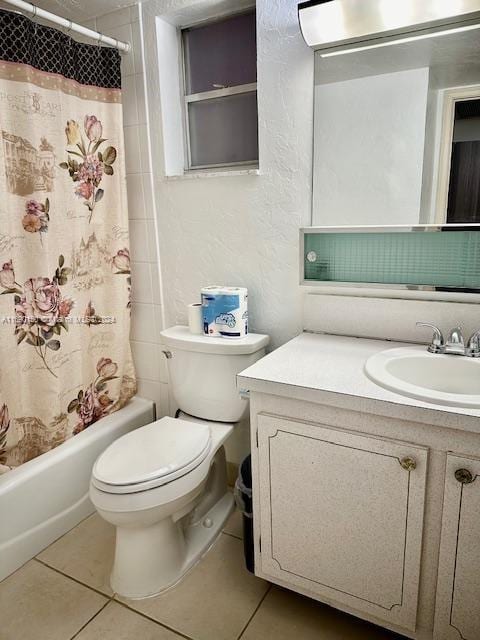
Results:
<point x="209" y="95"/>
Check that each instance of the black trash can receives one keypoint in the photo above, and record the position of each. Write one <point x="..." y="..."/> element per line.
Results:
<point x="243" y="498"/>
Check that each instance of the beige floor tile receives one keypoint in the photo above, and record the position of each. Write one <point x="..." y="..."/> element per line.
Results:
<point x="214" y="601"/>
<point x="85" y="553"/>
<point x="118" y="623"/>
<point x="234" y="526"/>
<point x="37" y="603"/>
<point x="285" y="615"/>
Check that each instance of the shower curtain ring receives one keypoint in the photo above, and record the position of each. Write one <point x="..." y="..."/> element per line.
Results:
<point x="34" y="11"/>
<point x="100" y="38"/>
<point x="69" y="28"/>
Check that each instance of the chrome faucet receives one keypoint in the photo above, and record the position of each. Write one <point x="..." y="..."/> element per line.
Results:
<point x="437" y="345"/>
<point x="455" y="343"/>
<point x="473" y="345"/>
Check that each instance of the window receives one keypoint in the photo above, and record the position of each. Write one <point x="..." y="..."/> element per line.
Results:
<point x="220" y="62"/>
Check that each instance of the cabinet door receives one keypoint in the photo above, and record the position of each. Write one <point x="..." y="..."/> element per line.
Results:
<point x="341" y="516"/>
<point x="457" y="615"/>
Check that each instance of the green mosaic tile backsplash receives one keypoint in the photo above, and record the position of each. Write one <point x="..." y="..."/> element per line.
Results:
<point x="445" y="259"/>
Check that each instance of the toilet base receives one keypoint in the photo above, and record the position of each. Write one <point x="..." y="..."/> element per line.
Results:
<point x="152" y="559"/>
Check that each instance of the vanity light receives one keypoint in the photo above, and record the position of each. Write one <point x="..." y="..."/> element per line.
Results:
<point x="389" y="43"/>
<point x="337" y="27"/>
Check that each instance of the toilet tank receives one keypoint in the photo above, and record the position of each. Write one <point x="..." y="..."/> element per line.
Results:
<point x="203" y="372"/>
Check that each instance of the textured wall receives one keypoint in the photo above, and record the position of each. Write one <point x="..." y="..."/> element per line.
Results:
<point x="242" y="229"/>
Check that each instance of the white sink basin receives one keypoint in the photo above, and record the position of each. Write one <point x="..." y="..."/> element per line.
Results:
<point x="414" y="372"/>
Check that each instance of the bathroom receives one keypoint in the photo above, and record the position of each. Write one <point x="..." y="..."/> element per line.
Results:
<point x="349" y="140"/>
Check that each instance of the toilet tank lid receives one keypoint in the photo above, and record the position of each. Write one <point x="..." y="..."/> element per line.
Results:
<point x="181" y="338"/>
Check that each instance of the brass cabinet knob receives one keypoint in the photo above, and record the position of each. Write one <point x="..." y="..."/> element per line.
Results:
<point x="464" y="476"/>
<point x="409" y="464"/>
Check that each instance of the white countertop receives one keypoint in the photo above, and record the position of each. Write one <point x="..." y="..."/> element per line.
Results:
<point x="328" y="369"/>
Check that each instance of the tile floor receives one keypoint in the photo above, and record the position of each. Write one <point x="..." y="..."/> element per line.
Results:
<point x="64" y="594"/>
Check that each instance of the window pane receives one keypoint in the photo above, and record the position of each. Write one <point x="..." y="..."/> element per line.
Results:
<point x="224" y="130"/>
<point x="221" y="54"/>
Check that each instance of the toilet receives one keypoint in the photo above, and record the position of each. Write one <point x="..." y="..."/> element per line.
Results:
<point x="164" y="485"/>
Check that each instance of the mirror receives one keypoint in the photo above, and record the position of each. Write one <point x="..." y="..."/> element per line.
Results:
<point x="397" y="133"/>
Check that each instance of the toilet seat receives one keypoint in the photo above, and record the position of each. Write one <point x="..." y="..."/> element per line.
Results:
<point x="152" y="456"/>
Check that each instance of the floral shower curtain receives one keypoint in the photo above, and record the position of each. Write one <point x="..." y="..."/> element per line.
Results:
<point x="64" y="255"/>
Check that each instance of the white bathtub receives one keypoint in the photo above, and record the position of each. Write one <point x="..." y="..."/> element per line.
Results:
<point x="45" y="497"/>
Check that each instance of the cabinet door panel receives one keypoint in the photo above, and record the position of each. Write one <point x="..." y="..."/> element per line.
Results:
<point x="341" y="517"/>
<point x="457" y="615"/>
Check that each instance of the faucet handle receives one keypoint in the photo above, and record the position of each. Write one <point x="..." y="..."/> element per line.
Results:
<point x="455" y="336"/>
<point x="455" y="343"/>
<point x="437" y="345"/>
<point x="473" y="345"/>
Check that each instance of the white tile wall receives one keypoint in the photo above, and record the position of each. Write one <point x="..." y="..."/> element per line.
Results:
<point x="148" y="195"/>
<point x="158" y="392"/>
<point x="143" y="321"/>
<point x="140" y="247"/>
<point x="147" y="308"/>
<point x="136" y="195"/>
<point x="132" y="144"/>
<point x="142" y="290"/>
<point x="147" y="360"/>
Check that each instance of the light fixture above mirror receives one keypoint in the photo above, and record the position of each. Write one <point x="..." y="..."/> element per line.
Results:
<point x="338" y="27"/>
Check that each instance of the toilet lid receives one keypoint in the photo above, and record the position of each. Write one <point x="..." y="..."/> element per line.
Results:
<point x="161" y="451"/>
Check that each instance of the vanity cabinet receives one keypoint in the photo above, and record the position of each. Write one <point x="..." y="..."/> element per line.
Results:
<point x="363" y="499"/>
<point x="457" y="615"/>
<point x="342" y="516"/>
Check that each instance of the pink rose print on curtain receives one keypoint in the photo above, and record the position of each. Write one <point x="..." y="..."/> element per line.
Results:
<point x="93" y="128"/>
<point x="87" y="174"/>
<point x="94" y="402"/>
<point x="36" y="217"/>
<point x="40" y="309"/>
<point x="121" y="262"/>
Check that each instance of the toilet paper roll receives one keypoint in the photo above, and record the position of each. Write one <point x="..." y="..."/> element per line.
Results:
<point x="225" y="312"/>
<point x="195" y="318"/>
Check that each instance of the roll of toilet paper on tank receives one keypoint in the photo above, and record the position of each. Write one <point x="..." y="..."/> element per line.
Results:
<point x="225" y="311"/>
<point x="195" y="318"/>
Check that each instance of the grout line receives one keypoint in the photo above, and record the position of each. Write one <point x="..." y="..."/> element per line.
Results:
<point x="143" y="261"/>
<point x="47" y="547"/>
<point x="255" y="612"/>
<point x="112" y="598"/>
<point x="65" y="575"/>
<point x="129" y="126"/>
<point x="89" y="621"/>
<point x="147" y="617"/>
<point x="64" y="534"/>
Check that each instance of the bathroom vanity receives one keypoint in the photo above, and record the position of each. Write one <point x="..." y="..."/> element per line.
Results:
<point x="364" y="499"/>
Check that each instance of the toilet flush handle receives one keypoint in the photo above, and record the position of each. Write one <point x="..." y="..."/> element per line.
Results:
<point x="167" y="354"/>
<point x="244" y="394"/>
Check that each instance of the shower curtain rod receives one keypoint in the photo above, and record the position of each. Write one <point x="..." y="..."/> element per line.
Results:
<point x="36" y="12"/>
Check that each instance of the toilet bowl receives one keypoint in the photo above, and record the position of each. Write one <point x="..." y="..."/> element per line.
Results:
<point x="164" y="485"/>
<point x="165" y="516"/>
